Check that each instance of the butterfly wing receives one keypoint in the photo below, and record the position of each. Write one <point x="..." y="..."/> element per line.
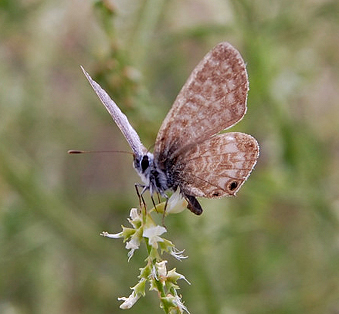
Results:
<point x="119" y="118"/>
<point x="213" y="98"/>
<point x="216" y="167"/>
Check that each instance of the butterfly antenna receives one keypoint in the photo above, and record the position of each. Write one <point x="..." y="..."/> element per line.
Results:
<point x="74" y="151"/>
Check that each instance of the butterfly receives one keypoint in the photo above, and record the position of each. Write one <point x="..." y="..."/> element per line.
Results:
<point x="189" y="152"/>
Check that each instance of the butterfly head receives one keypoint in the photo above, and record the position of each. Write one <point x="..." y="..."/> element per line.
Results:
<point x="143" y="164"/>
<point x="154" y="179"/>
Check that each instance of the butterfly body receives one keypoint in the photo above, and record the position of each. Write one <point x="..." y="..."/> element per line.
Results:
<point x="159" y="181"/>
<point x="189" y="153"/>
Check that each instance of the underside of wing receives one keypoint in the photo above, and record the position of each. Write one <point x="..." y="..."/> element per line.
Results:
<point x="216" y="167"/>
<point x="119" y="118"/>
<point x="213" y="99"/>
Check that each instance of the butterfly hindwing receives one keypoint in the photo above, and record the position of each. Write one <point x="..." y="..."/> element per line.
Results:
<point x="216" y="167"/>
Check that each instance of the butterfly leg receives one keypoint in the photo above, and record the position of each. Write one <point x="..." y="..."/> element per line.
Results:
<point x="153" y="202"/>
<point x="158" y="199"/>
<point x="155" y="206"/>
<point x="158" y="194"/>
<point x="164" y="213"/>
<point x="142" y="202"/>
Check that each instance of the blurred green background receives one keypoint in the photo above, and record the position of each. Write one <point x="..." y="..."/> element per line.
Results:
<point x="272" y="249"/>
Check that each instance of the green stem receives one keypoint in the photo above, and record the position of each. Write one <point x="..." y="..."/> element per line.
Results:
<point x="159" y="285"/>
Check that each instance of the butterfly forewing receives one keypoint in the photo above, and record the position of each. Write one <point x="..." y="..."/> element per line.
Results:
<point x="213" y="98"/>
<point x="216" y="167"/>
<point x="120" y="119"/>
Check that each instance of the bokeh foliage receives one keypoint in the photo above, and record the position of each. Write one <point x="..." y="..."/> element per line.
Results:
<point x="272" y="249"/>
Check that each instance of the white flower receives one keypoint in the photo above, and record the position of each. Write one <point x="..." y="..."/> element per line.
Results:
<point x="161" y="267"/>
<point x="176" y="303"/>
<point x="180" y="304"/>
<point x="154" y="275"/>
<point x="112" y="235"/>
<point x="130" y="301"/>
<point x="153" y="234"/>
<point x="176" y="203"/>
<point x="135" y="219"/>
<point x="132" y="245"/>
<point x="173" y="276"/>
<point x="159" y="271"/>
<point x="138" y="291"/>
<point x="134" y="214"/>
<point x="177" y="254"/>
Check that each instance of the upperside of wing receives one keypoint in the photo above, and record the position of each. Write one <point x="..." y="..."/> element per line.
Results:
<point x="119" y="118"/>
<point x="213" y="99"/>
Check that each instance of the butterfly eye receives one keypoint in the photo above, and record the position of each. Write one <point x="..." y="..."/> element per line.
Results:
<point x="144" y="163"/>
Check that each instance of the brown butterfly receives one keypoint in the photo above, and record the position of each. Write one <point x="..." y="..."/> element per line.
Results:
<point x="189" y="154"/>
